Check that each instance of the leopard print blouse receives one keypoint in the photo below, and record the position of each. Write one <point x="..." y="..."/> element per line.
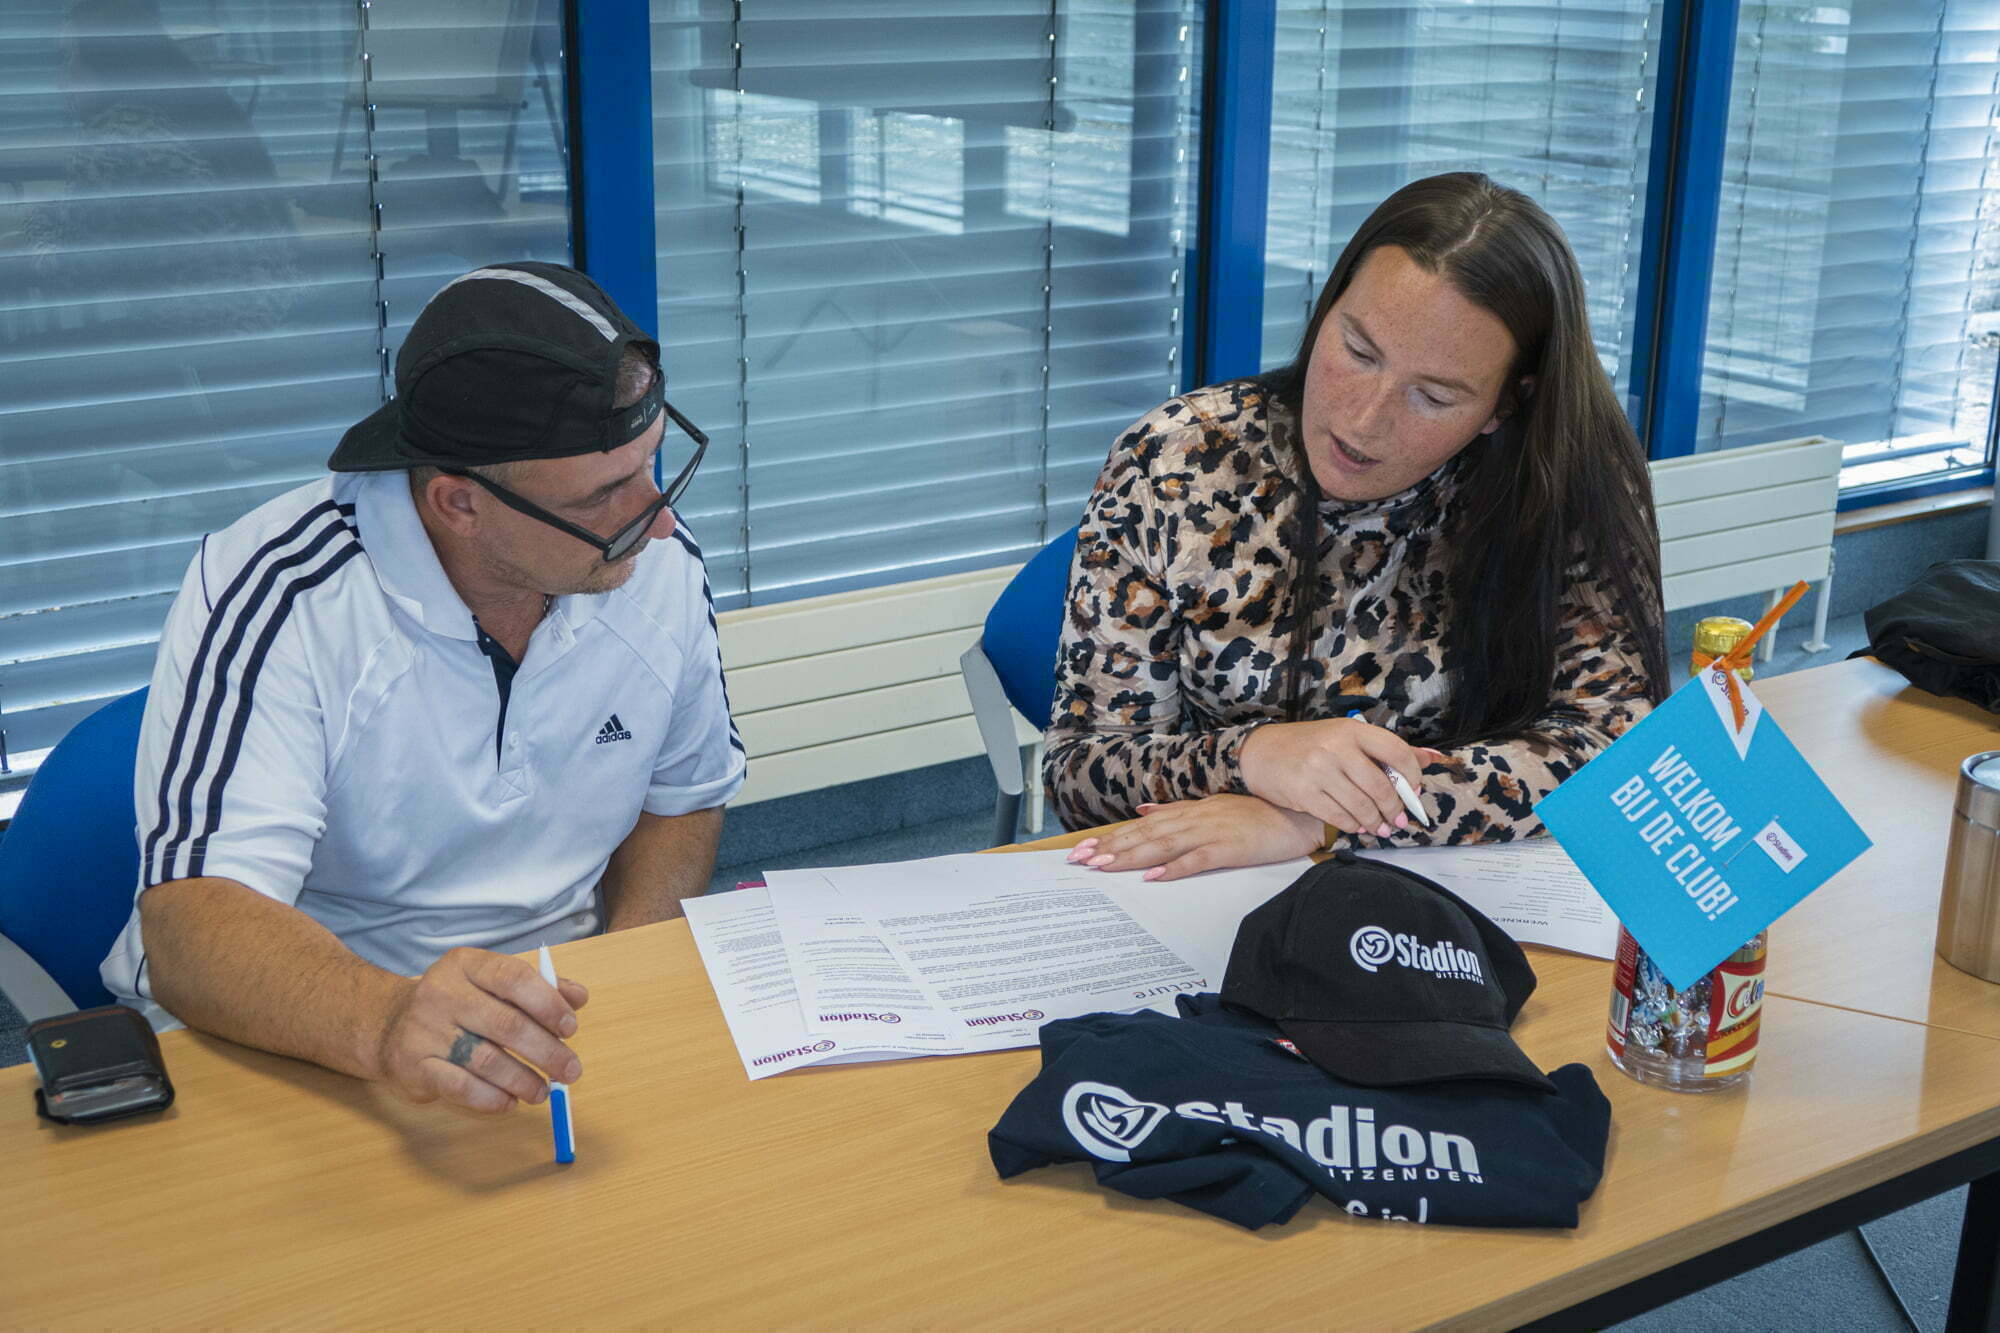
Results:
<point x="1172" y="637"/>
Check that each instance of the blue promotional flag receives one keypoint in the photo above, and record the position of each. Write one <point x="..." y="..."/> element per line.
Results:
<point x="1700" y="834"/>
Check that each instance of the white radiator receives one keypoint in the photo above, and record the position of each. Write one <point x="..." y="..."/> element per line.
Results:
<point x="1749" y="520"/>
<point x="856" y="685"/>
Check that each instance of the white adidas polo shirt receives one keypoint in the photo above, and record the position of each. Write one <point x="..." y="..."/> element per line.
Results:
<point x="324" y="728"/>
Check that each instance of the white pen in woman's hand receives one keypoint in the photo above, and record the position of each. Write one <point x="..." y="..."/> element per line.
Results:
<point x="1409" y="795"/>
<point x="1401" y="784"/>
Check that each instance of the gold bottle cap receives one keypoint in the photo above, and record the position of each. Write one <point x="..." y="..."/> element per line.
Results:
<point x="1716" y="635"/>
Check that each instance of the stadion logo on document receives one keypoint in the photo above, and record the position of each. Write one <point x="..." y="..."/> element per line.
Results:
<point x="817" y="1048"/>
<point x="861" y="1018"/>
<point x="988" y="1020"/>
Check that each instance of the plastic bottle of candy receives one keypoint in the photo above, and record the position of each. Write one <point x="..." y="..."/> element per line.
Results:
<point x="1701" y="1039"/>
<point x="1704" y="1038"/>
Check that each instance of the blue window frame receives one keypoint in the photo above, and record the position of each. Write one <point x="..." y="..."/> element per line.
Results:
<point x="611" y="152"/>
<point x="1225" y="334"/>
<point x="1683" y="190"/>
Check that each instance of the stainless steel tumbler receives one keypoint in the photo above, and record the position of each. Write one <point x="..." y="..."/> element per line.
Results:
<point x="1969" y="916"/>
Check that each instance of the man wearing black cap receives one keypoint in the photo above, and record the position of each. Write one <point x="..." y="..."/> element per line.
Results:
<point x="461" y="698"/>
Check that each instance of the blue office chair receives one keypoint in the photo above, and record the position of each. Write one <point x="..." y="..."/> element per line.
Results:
<point x="69" y="864"/>
<point x="1013" y="664"/>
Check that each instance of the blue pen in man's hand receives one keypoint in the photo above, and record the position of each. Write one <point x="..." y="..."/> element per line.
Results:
<point x="559" y="1120"/>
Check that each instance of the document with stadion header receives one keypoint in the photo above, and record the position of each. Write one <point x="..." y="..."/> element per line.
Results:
<point x="943" y="956"/>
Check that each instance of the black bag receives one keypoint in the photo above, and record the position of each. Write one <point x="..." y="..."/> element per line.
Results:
<point x="1943" y="631"/>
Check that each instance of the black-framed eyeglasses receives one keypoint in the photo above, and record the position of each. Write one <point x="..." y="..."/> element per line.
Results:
<point x="620" y="543"/>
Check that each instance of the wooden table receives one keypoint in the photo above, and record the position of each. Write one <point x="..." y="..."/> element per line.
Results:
<point x="274" y="1191"/>
<point x="1867" y="939"/>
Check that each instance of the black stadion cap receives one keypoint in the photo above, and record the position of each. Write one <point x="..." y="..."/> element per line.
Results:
<point x="508" y="362"/>
<point x="1383" y="978"/>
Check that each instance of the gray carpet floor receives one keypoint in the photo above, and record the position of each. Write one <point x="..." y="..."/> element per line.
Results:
<point x="1832" y="1286"/>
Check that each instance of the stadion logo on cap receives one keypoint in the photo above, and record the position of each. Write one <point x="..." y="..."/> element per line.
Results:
<point x="1372" y="947"/>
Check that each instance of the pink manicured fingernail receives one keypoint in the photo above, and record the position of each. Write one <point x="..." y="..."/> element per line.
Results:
<point x="1402" y="821"/>
<point x="1104" y="860"/>
<point x="1074" y="856"/>
<point x="1383" y="831"/>
<point x="1154" y="873"/>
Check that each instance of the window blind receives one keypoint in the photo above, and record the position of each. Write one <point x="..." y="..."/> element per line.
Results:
<point x="1552" y="99"/>
<point x="919" y="263"/>
<point x="1857" y="271"/>
<point x="216" y="219"/>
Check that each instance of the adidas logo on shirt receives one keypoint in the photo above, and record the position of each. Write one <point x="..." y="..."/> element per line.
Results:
<point x="612" y="730"/>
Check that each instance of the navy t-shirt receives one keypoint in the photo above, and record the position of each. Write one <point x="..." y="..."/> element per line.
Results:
<point x="1212" y="1111"/>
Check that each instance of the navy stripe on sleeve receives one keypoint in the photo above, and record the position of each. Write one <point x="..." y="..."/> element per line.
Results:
<point x="219" y="691"/>
<point x="191" y="685"/>
<point x="681" y="536"/>
<point x="209" y="686"/>
<point x="245" y="691"/>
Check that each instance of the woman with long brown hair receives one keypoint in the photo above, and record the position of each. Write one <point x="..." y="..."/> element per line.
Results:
<point x="1425" y="545"/>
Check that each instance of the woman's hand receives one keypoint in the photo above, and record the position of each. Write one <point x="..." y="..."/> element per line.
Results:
<point x="1188" y="837"/>
<point x="1332" y="770"/>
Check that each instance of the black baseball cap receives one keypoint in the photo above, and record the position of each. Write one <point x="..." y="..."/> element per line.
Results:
<point x="508" y="362"/>
<point x="1384" y="978"/>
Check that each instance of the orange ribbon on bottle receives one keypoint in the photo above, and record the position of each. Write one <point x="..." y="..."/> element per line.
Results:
<point x="1739" y="656"/>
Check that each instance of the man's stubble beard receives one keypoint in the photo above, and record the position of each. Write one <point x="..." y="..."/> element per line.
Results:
<point x="604" y="578"/>
<point x="567" y="581"/>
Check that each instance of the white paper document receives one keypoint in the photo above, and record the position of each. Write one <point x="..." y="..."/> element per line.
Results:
<point x="848" y="979"/>
<point x="1530" y="889"/>
<point x="737" y="934"/>
<point x="936" y="957"/>
<point x="1006" y="943"/>
<point x="1198" y="916"/>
